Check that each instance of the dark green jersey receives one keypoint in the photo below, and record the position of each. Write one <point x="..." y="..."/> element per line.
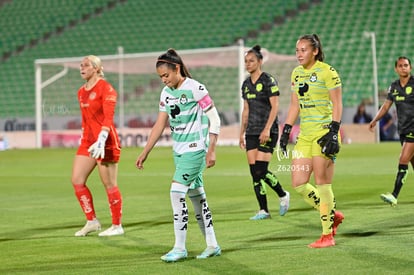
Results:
<point x="403" y="97"/>
<point x="257" y="96"/>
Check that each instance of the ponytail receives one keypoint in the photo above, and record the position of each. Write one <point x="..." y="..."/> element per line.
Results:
<point x="171" y="59"/>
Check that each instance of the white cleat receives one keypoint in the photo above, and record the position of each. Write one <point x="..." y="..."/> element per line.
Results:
<point x="114" y="230"/>
<point x="284" y="204"/>
<point x="90" y="226"/>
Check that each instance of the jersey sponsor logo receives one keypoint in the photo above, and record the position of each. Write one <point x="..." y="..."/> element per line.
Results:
<point x="251" y="96"/>
<point x="168" y="99"/>
<point x="177" y="129"/>
<point x="400" y="98"/>
<point x="303" y="88"/>
<point x="408" y="90"/>
<point x="192" y="145"/>
<point x="313" y="77"/>
<point x="174" y="111"/>
<point x="259" y="87"/>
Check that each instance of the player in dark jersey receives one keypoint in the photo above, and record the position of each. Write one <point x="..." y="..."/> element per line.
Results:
<point x="400" y="92"/>
<point x="259" y="131"/>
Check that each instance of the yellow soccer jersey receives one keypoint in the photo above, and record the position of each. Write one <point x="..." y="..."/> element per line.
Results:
<point x="312" y="88"/>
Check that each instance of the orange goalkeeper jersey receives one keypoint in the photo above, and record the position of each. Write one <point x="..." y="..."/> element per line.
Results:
<point x="97" y="107"/>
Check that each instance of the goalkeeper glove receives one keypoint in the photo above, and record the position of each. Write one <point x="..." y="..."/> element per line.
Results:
<point x="329" y="142"/>
<point x="284" y="138"/>
<point x="97" y="150"/>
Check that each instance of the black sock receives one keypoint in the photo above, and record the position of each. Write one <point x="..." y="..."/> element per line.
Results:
<point x="400" y="179"/>
<point x="261" y="196"/>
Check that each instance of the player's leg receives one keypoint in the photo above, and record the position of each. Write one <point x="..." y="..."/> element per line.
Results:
<point x="108" y="172"/>
<point x="263" y="158"/>
<point x="82" y="168"/>
<point x="301" y="171"/>
<point x="187" y="169"/>
<point x="252" y="143"/>
<point x="205" y="220"/>
<point x="323" y="172"/>
<point x="406" y="156"/>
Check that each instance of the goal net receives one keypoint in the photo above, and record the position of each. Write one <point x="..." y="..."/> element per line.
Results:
<point x="58" y="120"/>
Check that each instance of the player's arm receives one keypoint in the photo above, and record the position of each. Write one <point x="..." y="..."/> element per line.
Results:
<point x="243" y="125"/>
<point x="330" y="141"/>
<point x="335" y="96"/>
<point x="214" y="131"/>
<point x="155" y="134"/>
<point x="265" y="134"/>
<point x="381" y="112"/>
<point x="97" y="150"/>
<point x="293" y="113"/>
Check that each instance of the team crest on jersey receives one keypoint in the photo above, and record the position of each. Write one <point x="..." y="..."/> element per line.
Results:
<point x="92" y="95"/>
<point x="408" y="90"/>
<point x="183" y="99"/>
<point x="259" y="87"/>
<point x="313" y="77"/>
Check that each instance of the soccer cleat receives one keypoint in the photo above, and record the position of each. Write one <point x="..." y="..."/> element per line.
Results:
<point x="174" y="255"/>
<point x="338" y="218"/>
<point x="114" y="230"/>
<point x="389" y="198"/>
<point x="90" y="226"/>
<point x="284" y="204"/>
<point x="210" y="252"/>
<point x="261" y="215"/>
<point x="324" y="241"/>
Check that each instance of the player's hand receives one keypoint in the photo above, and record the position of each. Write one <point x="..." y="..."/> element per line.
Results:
<point x="284" y="138"/>
<point x="139" y="163"/>
<point x="97" y="150"/>
<point x="329" y="142"/>
<point x="210" y="159"/>
<point x="242" y="143"/>
<point x="372" y="125"/>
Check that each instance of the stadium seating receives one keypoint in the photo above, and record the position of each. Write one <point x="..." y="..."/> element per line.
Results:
<point x="48" y="29"/>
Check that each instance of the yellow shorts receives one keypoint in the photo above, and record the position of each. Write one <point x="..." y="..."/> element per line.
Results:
<point x="307" y="145"/>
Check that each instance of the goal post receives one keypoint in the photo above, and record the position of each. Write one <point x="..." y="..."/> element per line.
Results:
<point x="133" y="75"/>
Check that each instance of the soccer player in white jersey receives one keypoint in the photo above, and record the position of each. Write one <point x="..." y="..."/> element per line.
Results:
<point x="195" y="124"/>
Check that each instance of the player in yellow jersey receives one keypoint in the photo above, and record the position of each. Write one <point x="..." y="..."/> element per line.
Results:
<point x="317" y="99"/>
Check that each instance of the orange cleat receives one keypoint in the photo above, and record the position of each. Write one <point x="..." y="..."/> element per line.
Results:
<point x="338" y="218"/>
<point x="324" y="241"/>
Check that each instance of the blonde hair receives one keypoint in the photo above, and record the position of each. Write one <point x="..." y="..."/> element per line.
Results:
<point x="96" y="63"/>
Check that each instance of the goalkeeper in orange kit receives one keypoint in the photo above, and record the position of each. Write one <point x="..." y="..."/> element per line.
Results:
<point x="99" y="147"/>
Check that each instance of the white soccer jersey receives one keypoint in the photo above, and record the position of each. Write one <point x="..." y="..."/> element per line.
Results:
<point x="188" y="122"/>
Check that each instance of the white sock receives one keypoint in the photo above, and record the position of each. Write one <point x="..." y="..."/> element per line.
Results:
<point x="203" y="215"/>
<point x="178" y="192"/>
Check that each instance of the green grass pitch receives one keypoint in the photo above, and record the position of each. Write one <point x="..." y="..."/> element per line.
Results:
<point x="40" y="214"/>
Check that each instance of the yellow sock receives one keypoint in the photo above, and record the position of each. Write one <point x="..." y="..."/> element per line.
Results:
<point x="326" y="209"/>
<point x="310" y="194"/>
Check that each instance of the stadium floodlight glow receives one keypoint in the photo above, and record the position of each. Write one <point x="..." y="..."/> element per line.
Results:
<point x="371" y="35"/>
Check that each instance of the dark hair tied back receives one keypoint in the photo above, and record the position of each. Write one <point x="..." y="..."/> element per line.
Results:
<point x="316" y="44"/>
<point x="257" y="51"/>
<point x="171" y="59"/>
